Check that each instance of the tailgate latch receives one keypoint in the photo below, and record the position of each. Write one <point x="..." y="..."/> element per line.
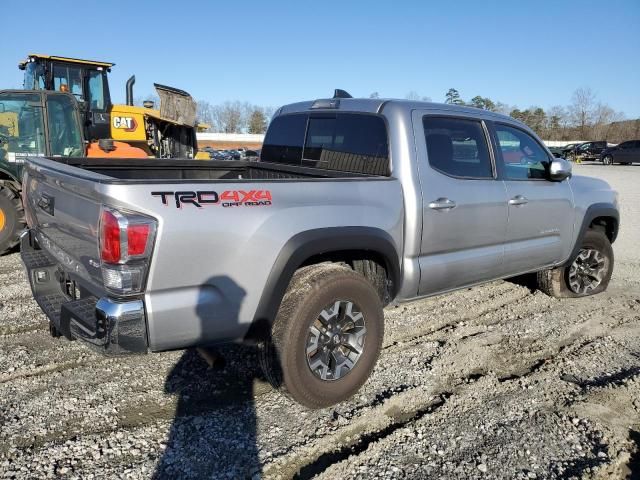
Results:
<point x="47" y="203"/>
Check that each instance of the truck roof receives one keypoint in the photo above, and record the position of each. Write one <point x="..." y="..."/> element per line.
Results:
<point x="377" y="105"/>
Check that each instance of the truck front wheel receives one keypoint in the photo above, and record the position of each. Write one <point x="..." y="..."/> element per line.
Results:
<point x="11" y="219"/>
<point x="326" y="337"/>
<point x="588" y="273"/>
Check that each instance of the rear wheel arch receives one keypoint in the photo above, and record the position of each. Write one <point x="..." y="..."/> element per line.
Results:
<point x="367" y="250"/>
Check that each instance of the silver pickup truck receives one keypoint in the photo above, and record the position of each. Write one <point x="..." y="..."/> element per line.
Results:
<point x="355" y="204"/>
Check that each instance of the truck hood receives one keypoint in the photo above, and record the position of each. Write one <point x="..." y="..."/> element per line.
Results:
<point x="590" y="183"/>
<point x="589" y="190"/>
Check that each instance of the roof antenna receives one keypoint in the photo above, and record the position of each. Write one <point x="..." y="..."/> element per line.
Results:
<point x="338" y="93"/>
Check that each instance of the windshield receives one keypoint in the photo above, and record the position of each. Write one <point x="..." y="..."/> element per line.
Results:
<point x="21" y="127"/>
<point x="33" y="76"/>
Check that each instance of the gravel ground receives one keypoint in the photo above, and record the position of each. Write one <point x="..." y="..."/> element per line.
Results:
<point x="494" y="381"/>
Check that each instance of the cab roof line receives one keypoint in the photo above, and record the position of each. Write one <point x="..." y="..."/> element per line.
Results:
<point x="69" y="59"/>
<point x="381" y="106"/>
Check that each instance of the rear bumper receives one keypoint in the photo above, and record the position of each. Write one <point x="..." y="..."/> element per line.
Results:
<point x="108" y="325"/>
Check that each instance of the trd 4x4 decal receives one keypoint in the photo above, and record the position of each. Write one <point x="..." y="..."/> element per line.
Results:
<point x="228" y="198"/>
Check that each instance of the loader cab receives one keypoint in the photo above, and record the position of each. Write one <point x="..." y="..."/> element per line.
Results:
<point x="86" y="80"/>
<point x="37" y="123"/>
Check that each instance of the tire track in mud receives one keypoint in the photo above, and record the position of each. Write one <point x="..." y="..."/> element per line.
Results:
<point x="304" y="463"/>
<point x="343" y="453"/>
<point x="58" y="367"/>
<point x="128" y="417"/>
<point x="309" y="459"/>
<point x="510" y="296"/>
<point x="11" y="330"/>
<point x="164" y="411"/>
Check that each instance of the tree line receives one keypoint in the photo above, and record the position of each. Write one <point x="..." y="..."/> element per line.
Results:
<point x="584" y="118"/>
<point x="234" y="117"/>
<point x="226" y="117"/>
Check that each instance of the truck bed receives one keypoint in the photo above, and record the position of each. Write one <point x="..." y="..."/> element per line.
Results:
<point x="150" y="170"/>
<point x="211" y="260"/>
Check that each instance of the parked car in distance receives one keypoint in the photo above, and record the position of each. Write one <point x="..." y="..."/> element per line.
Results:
<point x="301" y="250"/>
<point x="250" y="155"/>
<point x="221" y="155"/>
<point x="590" y="150"/>
<point x="568" y="150"/>
<point x="625" y="153"/>
<point x="557" y="151"/>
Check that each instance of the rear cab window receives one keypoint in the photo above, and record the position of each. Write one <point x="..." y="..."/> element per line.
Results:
<point x="340" y="141"/>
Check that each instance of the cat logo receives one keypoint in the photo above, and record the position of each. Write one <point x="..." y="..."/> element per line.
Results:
<point x="127" y="124"/>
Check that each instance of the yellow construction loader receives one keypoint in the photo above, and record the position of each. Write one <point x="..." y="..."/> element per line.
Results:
<point x="165" y="132"/>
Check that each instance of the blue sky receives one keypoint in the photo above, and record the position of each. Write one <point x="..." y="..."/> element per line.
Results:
<point x="271" y="53"/>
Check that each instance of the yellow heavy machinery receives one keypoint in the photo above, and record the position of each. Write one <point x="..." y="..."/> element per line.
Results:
<point x="167" y="132"/>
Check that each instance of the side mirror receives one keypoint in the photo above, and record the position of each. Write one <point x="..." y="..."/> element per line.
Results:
<point x="559" y="170"/>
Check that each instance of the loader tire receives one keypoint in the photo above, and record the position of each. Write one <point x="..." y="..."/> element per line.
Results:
<point x="12" y="221"/>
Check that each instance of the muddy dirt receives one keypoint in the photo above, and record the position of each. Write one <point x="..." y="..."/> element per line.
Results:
<point x="496" y="381"/>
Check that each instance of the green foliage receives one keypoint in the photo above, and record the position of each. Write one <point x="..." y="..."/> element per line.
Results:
<point x="534" y="117"/>
<point x="453" y="97"/>
<point x="257" y="121"/>
<point x="484" y="103"/>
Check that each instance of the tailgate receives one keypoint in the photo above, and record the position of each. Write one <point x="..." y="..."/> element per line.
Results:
<point x="63" y="206"/>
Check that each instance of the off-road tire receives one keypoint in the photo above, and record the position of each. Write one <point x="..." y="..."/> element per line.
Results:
<point x="12" y="220"/>
<point x="283" y="356"/>
<point x="554" y="282"/>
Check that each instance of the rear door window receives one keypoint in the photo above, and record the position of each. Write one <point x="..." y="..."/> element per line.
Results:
<point x="457" y="147"/>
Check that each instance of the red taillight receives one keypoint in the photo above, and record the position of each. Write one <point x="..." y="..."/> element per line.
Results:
<point x="126" y="244"/>
<point x="118" y="227"/>
<point x="109" y="238"/>
<point x="137" y="238"/>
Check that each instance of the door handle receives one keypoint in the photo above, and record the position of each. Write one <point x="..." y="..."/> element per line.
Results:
<point x="442" y="204"/>
<point x="518" y="200"/>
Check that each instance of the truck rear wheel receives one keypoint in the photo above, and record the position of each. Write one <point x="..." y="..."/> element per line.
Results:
<point x="588" y="273"/>
<point x="11" y="219"/>
<point x="326" y="337"/>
